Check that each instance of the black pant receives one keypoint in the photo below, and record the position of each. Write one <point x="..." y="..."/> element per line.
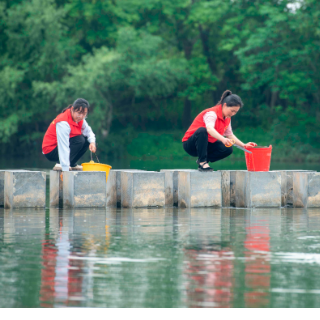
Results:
<point x="78" y="146"/>
<point x="198" y="146"/>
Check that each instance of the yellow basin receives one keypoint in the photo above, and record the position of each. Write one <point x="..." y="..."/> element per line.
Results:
<point x="92" y="166"/>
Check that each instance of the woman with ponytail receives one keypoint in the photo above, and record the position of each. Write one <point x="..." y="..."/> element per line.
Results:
<point x="210" y="133"/>
<point x="69" y="137"/>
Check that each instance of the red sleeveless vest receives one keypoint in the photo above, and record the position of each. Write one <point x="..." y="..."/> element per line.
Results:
<point x="221" y="124"/>
<point x="50" y="138"/>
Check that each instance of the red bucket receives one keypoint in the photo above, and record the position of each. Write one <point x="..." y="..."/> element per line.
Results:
<point x="259" y="159"/>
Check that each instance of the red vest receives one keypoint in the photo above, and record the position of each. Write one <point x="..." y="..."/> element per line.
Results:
<point x="50" y="138"/>
<point x="221" y="124"/>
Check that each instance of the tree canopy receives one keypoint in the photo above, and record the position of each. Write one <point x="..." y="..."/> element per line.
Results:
<point x="150" y="66"/>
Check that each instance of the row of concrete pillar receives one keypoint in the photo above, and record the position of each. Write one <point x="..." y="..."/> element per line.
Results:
<point x="190" y="188"/>
<point x="167" y="188"/>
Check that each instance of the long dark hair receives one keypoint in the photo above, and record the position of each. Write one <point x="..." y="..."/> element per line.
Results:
<point x="79" y="105"/>
<point x="232" y="100"/>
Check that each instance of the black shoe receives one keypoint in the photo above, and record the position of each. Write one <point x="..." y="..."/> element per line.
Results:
<point x="201" y="168"/>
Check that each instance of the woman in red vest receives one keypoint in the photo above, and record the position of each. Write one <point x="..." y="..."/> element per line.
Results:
<point x="211" y="132"/>
<point x="69" y="137"/>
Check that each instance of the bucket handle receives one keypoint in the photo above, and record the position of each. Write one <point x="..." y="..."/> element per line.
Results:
<point x="95" y="155"/>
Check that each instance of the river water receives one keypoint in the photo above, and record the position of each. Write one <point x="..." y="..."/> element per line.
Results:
<point x="160" y="257"/>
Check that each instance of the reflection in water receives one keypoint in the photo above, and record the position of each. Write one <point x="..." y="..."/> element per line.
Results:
<point x="160" y="258"/>
<point x="48" y="273"/>
<point x="257" y="278"/>
<point x="209" y="267"/>
<point x="78" y="234"/>
<point x="209" y="278"/>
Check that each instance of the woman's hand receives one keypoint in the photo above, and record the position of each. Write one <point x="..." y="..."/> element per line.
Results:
<point x="92" y="147"/>
<point x="250" y="144"/>
<point x="227" y="142"/>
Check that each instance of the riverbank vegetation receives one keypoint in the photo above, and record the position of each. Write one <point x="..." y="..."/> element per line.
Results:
<point x="148" y="67"/>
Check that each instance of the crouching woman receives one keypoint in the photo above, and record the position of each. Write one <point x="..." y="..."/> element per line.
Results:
<point x="69" y="137"/>
<point x="210" y="136"/>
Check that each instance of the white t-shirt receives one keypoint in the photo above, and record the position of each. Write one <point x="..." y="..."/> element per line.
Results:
<point x="210" y="119"/>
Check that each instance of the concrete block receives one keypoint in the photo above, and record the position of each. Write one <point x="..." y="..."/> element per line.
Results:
<point x="306" y="190"/>
<point x="300" y="190"/>
<point x="171" y="185"/>
<point x="287" y="186"/>
<point x="84" y="189"/>
<point x="56" y="189"/>
<point x="255" y="189"/>
<point x="24" y="189"/>
<point x="225" y="188"/>
<point x="263" y="190"/>
<point x="111" y="197"/>
<point x="2" y="184"/>
<point x="314" y="190"/>
<point x="142" y="189"/>
<point x="114" y="186"/>
<point x="238" y="181"/>
<point x="170" y="188"/>
<point x="199" y="189"/>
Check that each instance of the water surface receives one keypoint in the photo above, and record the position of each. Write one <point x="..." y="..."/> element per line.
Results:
<point x="160" y="258"/>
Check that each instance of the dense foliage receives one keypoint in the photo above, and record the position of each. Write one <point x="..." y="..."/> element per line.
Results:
<point x="147" y="67"/>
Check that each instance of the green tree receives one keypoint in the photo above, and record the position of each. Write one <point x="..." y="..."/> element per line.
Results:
<point x="94" y="24"/>
<point x="113" y="78"/>
<point x="36" y="48"/>
<point x="179" y="24"/>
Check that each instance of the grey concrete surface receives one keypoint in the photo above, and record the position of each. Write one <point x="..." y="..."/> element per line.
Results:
<point x="306" y="190"/>
<point x="255" y="189"/>
<point x="84" y="189"/>
<point x="24" y="189"/>
<point x="287" y="186"/>
<point x="111" y="196"/>
<point x="56" y="189"/>
<point x="2" y="184"/>
<point x="199" y="189"/>
<point x="114" y="186"/>
<point x="238" y="188"/>
<point x="313" y="190"/>
<point x="300" y="189"/>
<point x="225" y="188"/>
<point x="171" y="185"/>
<point x="142" y="189"/>
<point x="263" y="190"/>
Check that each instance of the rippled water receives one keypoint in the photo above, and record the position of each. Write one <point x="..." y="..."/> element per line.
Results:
<point x="160" y="258"/>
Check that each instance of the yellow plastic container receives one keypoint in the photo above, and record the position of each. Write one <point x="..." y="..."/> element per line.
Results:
<point x="92" y="166"/>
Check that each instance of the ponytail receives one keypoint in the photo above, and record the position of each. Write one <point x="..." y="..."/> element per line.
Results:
<point x="68" y="107"/>
<point x="232" y="100"/>
<point x="79" y="105"/>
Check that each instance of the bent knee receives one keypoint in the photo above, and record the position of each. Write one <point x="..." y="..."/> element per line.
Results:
<point x="80" y="139"/>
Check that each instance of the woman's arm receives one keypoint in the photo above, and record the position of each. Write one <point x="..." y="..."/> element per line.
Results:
<point x="215" y="134"/>
<point x="87" y="132"/>
<point x="240" y="143"/>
